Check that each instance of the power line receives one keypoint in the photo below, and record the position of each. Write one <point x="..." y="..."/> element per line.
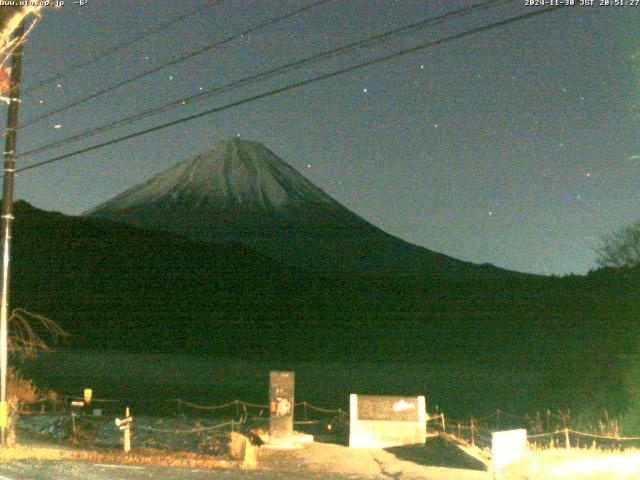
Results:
<point x="175" y="61"/>
<point x="293" y="86"/>
<point x="373" y="40"/>
<point x="116" y="48"/>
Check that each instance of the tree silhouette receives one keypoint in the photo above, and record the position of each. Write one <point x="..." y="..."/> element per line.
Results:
<point x="620" y="248"/>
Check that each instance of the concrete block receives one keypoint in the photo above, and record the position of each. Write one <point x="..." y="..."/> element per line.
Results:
<point x="386" y="421"/>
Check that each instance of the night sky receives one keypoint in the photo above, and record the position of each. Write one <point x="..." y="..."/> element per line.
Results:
<point x="516" y="146"/>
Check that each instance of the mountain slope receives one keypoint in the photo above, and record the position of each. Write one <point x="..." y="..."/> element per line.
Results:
<point x="123" y="288"/>
<point x="239" y="191"/>
<point x="120" y="287"/>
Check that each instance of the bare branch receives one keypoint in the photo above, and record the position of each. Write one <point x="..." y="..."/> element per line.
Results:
<point x="620" y="248"/>
<point x="23" y="339"/>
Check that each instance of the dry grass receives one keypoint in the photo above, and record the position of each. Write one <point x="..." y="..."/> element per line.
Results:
<point x="576" y="464"/>
<point x="155" y="458"/>
<point x="139" y="457"/>
<point x="243" y="455"/>
<point x="21" y="389"/>
<point x="24" y="453"/>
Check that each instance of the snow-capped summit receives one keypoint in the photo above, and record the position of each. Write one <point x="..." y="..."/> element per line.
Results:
<point x="240" y="191"/>
<point x="234" y="176"/>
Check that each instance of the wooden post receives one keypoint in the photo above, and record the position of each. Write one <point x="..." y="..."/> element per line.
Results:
<point x="73" y="423"/>
<point x="459" y="433"/>
<point x="127" y="432"/>
<point x="566" y="438"/>
<point x="444" y="425"/>
<point x="5" y="223"/>
<point x="473" y="434"/>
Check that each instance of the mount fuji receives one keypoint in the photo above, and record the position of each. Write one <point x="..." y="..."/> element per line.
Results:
<point x="239" y="191"/>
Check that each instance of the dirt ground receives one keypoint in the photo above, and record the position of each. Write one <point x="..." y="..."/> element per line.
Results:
<point x="361" y="463"/>
<point x="436" y="459"/>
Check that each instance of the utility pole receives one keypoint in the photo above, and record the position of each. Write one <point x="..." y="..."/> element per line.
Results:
<point x="5" y="225"/>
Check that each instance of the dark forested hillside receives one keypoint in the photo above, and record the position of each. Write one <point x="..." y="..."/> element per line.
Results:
<point x="119" y="287"/>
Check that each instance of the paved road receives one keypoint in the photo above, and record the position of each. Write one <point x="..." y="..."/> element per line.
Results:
<point x="71" y="470"/>
<point x="316" y="461"/>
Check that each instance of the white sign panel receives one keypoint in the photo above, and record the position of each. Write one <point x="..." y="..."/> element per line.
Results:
<point x="507" y="447"/>
<point x="378" y="421"/>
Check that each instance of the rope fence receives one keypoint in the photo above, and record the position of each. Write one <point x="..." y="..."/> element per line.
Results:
<point x="181" y="425"/>
<point x="540" y="423"/>
<point x="192" y="418"/>
<point x="477" y="431"/>
<point x="191" y="430"/>
<point x="569" y="438"/>
<point x="239" y="409"/>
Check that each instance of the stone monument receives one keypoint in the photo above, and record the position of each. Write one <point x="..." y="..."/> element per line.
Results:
<point x="384" y="421"/>
<point x="281" y="402"/>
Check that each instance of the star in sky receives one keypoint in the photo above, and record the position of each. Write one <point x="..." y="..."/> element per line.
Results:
<point x="538" y="109"/>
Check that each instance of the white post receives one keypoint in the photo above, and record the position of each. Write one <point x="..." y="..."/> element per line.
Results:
<point x="127" y="432"/>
